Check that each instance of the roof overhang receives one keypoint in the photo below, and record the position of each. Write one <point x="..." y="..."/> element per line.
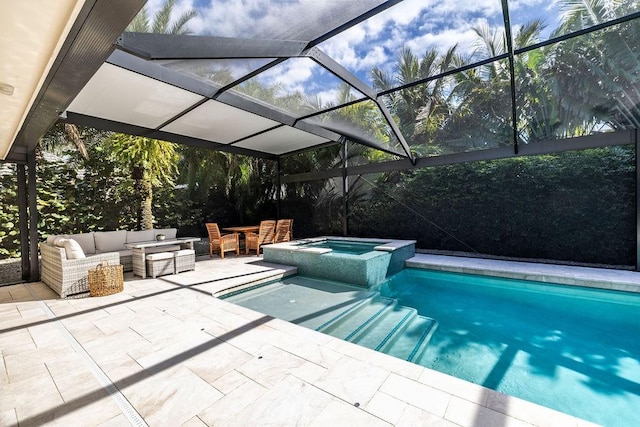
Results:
<point x="89" y="72"/>
<point x="50" y="50"/>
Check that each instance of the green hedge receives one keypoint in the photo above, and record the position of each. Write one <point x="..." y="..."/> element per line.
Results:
<point x="574" y="206"/>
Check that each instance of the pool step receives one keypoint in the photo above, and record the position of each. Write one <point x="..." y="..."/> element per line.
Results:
<point x="260" y="290"/>
<point x="363" y="317"/>
<point x="381" y="324"/>
<point x="328" y="313"/>
<point x="358" y="318"/>
<point x="386" y="326"/>
<point x="412" y="341"/>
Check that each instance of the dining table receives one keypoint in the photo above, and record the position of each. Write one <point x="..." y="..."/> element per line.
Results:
<point x="242" y="229"/>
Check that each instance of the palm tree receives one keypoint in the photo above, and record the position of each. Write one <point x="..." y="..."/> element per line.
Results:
<point x="420" y="109"/>
<point x="482" y="93"/>
<point x="597" y="73"/>
<point x="152" y="162"/>
<point x="160" y="24"/>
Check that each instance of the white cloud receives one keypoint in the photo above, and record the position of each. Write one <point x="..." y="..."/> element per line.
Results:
<point x="328" y="96"/>
<point x="417" y="24"/>
<point x="291" y="74"/>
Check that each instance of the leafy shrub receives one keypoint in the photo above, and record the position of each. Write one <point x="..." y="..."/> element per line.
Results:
<point x="574" y="206"/>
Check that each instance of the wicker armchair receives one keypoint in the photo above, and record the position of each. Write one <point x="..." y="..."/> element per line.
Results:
<point x="265" y="236"/>
<point x="69" y="277"/>
<point x="283" y="230"/>
<point x="221" y="242"/>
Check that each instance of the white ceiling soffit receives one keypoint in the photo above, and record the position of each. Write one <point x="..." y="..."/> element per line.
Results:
<point x="282" y="140"/>
<point x="32" y="33"/>
<point x="218" y="122"/>
<point x="124" y="96"/>
<point x="121" y="95"/>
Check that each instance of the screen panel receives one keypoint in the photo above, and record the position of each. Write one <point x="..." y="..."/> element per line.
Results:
<point x="534" y="21"/>
<point x="283" y="139"/>
<point x="584" y="85"/>
<point x="128" y="97"/>
<point x="218" y="122"/>
<point x="417" y="28"/>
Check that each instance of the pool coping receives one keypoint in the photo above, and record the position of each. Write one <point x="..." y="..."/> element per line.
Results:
<point x="600" y="278"/>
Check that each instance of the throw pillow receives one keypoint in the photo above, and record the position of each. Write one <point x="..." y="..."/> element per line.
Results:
<point x="73" y="249"/>
<point x="59" y="241"/>
<point x="51" y="239"/>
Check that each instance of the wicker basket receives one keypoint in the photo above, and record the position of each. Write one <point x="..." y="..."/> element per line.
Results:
<point x="105" y="279"/>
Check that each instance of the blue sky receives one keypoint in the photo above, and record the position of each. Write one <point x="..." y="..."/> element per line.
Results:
<point x="417" y="24"/>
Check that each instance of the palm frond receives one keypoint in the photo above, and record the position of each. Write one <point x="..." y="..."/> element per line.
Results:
<point x="529" y="33"/>
<point x="140" y="23"/>
<point x="381" y="79"/>
<point x="178" y="26"/>
<point x="161" y="20"/>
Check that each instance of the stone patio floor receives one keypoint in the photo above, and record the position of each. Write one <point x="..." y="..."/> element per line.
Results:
<point x="166" y="353"/>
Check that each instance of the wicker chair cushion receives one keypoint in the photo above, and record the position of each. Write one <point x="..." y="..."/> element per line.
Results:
<point x="159" y="256"/>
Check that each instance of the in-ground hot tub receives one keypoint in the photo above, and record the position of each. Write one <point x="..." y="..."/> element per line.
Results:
<point x="359" y="261"/>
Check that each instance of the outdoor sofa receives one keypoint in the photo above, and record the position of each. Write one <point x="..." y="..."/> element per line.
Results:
<point x="67" y="259"/>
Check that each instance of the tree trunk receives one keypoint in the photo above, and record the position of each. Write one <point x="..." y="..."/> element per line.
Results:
<point x="144" y="194"/>
<point x="146" y="203"/>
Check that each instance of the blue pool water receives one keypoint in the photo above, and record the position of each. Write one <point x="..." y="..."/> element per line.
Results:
<point x="573" y="349"/>
<point x="344" y="246"/>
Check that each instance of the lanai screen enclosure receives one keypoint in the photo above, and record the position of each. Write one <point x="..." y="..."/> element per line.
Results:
<point x="400" y="85"/>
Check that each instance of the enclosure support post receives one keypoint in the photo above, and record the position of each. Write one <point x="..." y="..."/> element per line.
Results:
<point x="278" y="184"/>
<point x="634" y="136"/>
<point x="23" y="223"/>
<point x="512" y="80"/>
<point x="345" y="190"/>
<point x="34" y="271"/>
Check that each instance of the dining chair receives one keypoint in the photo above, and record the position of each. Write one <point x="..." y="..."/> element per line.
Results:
<point x="265" y="236"/>
<point x="283" y="230"/>
<point x="221" y="242"/>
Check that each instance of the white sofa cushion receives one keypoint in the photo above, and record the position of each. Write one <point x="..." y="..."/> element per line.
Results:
<point x="73" y="249"/>
<point x="141" y="236"/>
<point x="110" y="241"/>
<point x="86" y="242"/>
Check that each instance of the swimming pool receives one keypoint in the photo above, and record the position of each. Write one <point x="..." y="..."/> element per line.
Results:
<point x="568" y="348"/>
